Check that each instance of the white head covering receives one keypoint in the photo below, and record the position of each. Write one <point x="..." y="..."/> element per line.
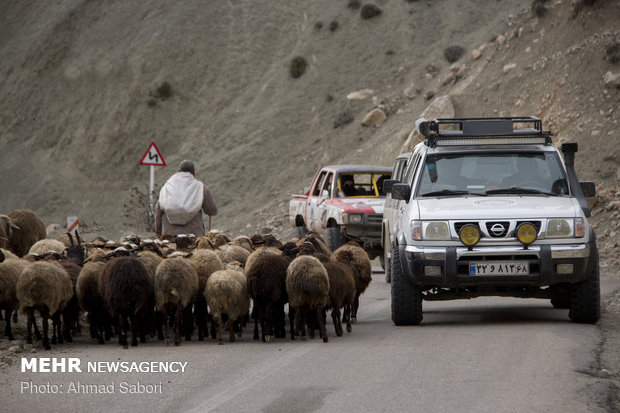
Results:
<point x="181" y="198"/>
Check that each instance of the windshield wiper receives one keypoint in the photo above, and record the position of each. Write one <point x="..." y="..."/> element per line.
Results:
<point x="517" y="190"/>
<point x="449" y="192"/>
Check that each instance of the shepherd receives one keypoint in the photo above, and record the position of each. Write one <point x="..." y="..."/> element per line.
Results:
<point x="181" y="202"/>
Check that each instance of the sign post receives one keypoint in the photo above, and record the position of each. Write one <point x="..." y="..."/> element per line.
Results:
<point x="153" y="158"/>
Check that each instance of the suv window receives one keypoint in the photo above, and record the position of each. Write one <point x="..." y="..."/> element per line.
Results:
<point x="489" y="173"/>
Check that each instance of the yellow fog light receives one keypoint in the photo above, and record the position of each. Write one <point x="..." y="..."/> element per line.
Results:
<point x="526" y="233"/>
<point x="469" y="235"/>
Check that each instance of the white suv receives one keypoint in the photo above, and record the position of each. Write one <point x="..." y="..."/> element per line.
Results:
<point x="489" y="207"/>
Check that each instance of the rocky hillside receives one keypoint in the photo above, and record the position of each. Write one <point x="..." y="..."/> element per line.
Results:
<point x="87" y="85"/>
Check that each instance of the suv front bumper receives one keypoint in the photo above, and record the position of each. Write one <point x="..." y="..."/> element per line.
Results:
<point x="453" y="263"/>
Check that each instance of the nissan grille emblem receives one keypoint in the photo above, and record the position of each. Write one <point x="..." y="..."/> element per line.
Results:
<point x="498" y="229"/>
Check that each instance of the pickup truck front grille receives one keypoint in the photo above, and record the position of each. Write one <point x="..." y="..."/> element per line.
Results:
<point x="375" y="218"/>
<point x="496" y="229"/>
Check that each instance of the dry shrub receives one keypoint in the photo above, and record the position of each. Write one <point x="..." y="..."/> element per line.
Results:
<point x="298" y="66"/>
<point x="369" y="11"/>
<point x="453" y="53"/>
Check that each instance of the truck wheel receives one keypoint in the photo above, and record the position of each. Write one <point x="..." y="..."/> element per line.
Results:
<point x="301" y="231"/>
<point x="585" y="298"/>
<point x="333" y="238"/>
<point x="387" y="266"/>
<point x="406" y="298"/>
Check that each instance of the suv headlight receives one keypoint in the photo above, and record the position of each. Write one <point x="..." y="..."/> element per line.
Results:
<point x="430" y="230"/>
<point x="557" y="228"/>
<point x="436" y="230"/>
<point x="565" y="227"/>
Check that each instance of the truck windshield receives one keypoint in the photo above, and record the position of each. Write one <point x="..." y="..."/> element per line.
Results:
<point x="492" y="173"/>
<point x="362" y="184"/>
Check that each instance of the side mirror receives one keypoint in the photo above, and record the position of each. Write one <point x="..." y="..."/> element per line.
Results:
<point x="388" y="184"/>
<point x="401" y="192"/>
<point x="588" y="188"/>
<point x="589" y="192"/>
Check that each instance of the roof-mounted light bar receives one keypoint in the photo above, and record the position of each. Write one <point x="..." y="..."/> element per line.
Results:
<point x="517" y="130"/>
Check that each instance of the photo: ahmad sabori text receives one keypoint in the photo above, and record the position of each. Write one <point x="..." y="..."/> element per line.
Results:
<point x="74" y="365"/>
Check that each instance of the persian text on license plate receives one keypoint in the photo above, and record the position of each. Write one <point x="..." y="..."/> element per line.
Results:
<point x="499" y="268"/>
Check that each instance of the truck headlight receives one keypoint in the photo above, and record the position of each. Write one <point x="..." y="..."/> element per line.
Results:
<point x="436" y="230"/>
<point x="355" y="218"/>
<point x="557" y="228"/>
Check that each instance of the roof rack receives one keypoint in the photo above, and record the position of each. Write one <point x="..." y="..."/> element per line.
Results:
<point x="483" y="131"/>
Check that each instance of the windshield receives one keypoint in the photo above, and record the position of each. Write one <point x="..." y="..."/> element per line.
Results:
<point x="492" y="173"/>
<point x="365" y="184"/>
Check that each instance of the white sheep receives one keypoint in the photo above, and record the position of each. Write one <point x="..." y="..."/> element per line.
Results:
<point x="227" y="295"/>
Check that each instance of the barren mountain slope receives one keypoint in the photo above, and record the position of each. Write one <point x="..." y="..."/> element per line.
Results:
<point x="84" y="92"/>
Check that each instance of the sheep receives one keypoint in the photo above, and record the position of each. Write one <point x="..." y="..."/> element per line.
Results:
<point x="317" y="241"/>
<point x="10" y="269"/>
<point x="258" y="252"/>
<point x="307" y="285"/>
<point x="6" y="230"/>
<point x="213" y="239"/>
<point x="176" y="285"/>
<point x="244" y="242"/>
<point x="228" y="298"/>
<point x="46" y="245"/>
<point x="127" y="292"/>
<point x="230" y="253"/>
<point x="8" y="254"/>
<point x="90" y="300"/>
<point x="266" y="283"/>
<point x="44" y="286"/>
<point x="341" y="287"/>
<point x="357" y="259"/>
<point x="30" y="230"/>
<point x="205" y="262"/>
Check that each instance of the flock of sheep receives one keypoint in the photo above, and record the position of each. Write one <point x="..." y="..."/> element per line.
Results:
<point x="179" y="282"/>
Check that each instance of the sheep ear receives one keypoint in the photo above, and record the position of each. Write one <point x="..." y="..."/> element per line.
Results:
<point x="70" y="238"/>
<point x="77" y="237"/>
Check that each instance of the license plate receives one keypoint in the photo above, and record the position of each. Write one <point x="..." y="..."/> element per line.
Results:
<point x="499" y="268"/>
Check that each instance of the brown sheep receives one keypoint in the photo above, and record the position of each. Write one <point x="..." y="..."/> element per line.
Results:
<point x="228" y="298"/>
<point x="176" y="286"/>
<point x="46" y="287"/>
<point x="341" y="287"/>
<point x="357" y="259"/>
<point x="31" y="229"/>
<point x="44" y="246"/>
<point x="307" y="285"/>
<point x="6" y="230"/>
<point x="91" y="302"/>
<point x="230" y="253"/>
<point x="205" y="262"/>
<point x="244" y="242"/>
<point x="266" y="283"/>
<point x="127" y="293"/>
<point x="10" y="269"/>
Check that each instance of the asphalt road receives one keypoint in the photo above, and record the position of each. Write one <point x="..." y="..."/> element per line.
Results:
<point x="482" y="355"/>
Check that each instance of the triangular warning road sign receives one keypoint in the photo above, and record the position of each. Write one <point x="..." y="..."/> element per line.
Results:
<point x="152" y="156"/>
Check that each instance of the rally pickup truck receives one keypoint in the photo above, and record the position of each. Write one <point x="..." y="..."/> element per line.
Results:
<point x="344" y="203"/>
